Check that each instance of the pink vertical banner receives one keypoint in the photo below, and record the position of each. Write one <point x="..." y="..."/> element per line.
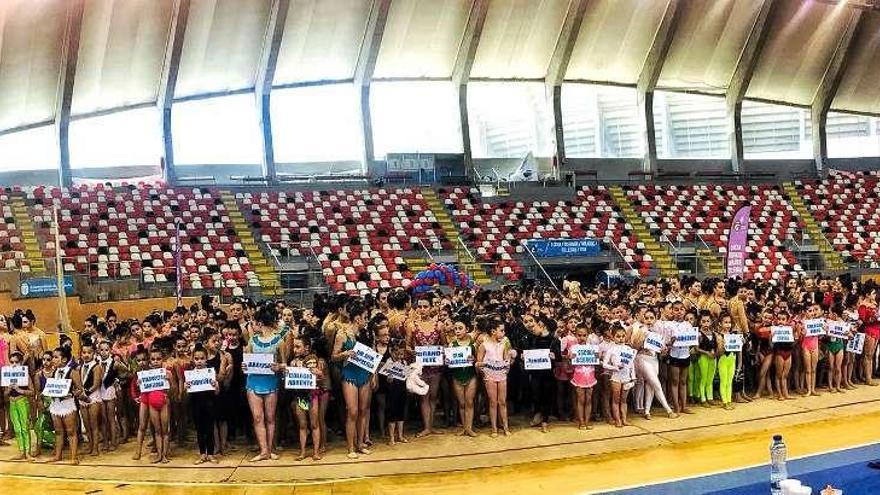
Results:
<point x="178" y="268"/>
<point x="737" y="239"/>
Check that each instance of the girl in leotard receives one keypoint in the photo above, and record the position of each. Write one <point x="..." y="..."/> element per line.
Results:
<point x="355" y="380"/>
<point x="141" y="358"/>
<point x="5" y="340"/>
<point x="493" y="361"/>
<point x="782" y="359"/>
<point x="92" y="372"/>
<point x="810" y="348"/>
<point x="221" y="361"/>
<point x="395" y="404"/>
<point x="114" y="371"/>
<point x="156" y="403"/>
<point x="424" y="331"/>
<point x="647" y="365"/>
<point x="871" y="326"/>
<point x="379" y="327"/>
<point x="306" y="404"/>
<point x="583" y="379"/>
<point x="834" y="349"/>
<point x="464" y="380"/>
<point x="729" y="363"/>
<point x="203" y="409"/>
<point x="765" y="353"/>
<point x="63" y="409"/>
<point x="262" y="390"/>
<point x="622" y="376"/>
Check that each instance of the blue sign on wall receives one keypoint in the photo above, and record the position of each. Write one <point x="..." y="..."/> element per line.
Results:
<point x="548" y="248"/>
<point x="44" y="287"/>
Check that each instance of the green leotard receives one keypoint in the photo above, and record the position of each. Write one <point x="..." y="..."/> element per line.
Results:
<point x="466" y="374"/>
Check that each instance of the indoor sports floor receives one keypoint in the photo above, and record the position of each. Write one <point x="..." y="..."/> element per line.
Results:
<point x="715" y="451"/>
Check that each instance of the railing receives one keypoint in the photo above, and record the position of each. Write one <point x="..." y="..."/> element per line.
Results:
<point x="528" y="249"/>
<point x="620" y="254"/>
<point x="672" y="249"/>
<point x="427" y="251"/>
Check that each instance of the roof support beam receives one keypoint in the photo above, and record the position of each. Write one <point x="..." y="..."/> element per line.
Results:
<point x="571" y="26"/>
<point x="168" y="81"/>
<point x="742" y="76"/>
<point x="648" y="80"/>
<point x="64" y="98"/>
<point x="363" y="74"/>
<point x="461" y="73"/>
<point x="263" y="84"/>
<point x="828" y="88"/>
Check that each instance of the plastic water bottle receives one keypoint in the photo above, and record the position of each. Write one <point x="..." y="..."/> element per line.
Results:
<point x="778" y="472"/>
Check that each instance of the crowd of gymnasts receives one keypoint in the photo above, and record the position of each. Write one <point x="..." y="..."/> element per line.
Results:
<point x="571" y="357"/>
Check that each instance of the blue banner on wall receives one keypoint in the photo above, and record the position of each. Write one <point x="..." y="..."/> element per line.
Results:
<point x="549" y="248"/>
<point x="44" y="287"/>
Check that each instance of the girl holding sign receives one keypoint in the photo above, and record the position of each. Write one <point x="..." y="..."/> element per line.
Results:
<point x="834" y="346"/>
<point x="810" y="347"/>
<point x="18" y="398"/>
<point x="425" y="331"/>
<point x="464" y="380"/>
<point x="622" y="375"/>
<point x="493" y="359"/>
<point x="63" y="409"/>
<point x="114" y="370"/>
<point x="583" y="379"/>
<point x="650" y="344"/>
<point x="782" y="360"/>
<point x="203" y="406"/>
<point x="307" y="404"/>
<point x="262" y="389"/>
<point x="355" y="380"/>
<point x="155" y="404"/>
<point x="707" y="350"/>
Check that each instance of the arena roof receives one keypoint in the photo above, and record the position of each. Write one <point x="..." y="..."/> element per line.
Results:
<point x="125" y="54"/>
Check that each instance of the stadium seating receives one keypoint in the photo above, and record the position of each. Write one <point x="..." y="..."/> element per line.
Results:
<point x="496" y="230"/>
<point x="12" y="255"/>
<point x="357" y="235"/>
<point x="693" y="212"/>
<point x="845" y="205"/>
<point x="130" y="232"/>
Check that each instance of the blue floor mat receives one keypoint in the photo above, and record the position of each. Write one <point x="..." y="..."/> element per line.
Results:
<point x="846" y="469"/>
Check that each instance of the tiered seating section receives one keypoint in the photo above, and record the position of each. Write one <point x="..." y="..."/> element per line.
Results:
<point x="357" y="235"/>
<point x="846" y="206"/>
<point x="497" y="229"/>
<point x="686" y="212"/>
<point x="130" y="231"/>
<point x="12" y="255"/>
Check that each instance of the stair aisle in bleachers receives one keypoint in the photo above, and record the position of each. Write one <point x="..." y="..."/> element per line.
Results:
<point x="266" y="273"/>
<point x="32" y="251"/>
<point x="830" y="257"/>
<point x="465" y="261"/>
<point x="660" y="256"/>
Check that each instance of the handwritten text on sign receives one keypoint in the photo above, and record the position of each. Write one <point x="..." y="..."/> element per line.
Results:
<point x="429" y="355"/>
<point x="300" y="379"/>
<point x="814" y="328"/>
<point x="14" y="376"/>
<point x="394" y="369"/>
<point x="365" y="358"/>
<point x="537" y="359"/>
<point x="458" y="357"/>
<point x="585" y="355"/>
<point x="200" y="380"/>
<point x="856" y="344"/>
<point x="57" y="387"/>
<point x="627" y="355"/>
<point x="838" y="329"/>
<point x="151" y="380"/>
<point x="733" y="342"/>
<point x="653" y="342"/>
<point x="258" y="364"/>
<point x="495" y="365"/>
<point x="686" y="336"/>
<point x="781" y="334"/>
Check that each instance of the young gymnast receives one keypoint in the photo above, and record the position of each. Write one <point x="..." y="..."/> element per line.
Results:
<point x="493" y="360"/>
<point x="203" y="406"/>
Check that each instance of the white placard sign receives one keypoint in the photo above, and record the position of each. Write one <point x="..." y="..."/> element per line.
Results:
<point x="686" y="336"/>
<point x="537" y="359"/>
<point x="57" y="387"/>
<point x="300" y="379"/>
<point x="258" y="363"/>
<point x="14" y="376"/>
<point x="653" y="342"/>
<point x="365" y="358"/>
<point x="458" y="357"/>
<point x="781" y="334"/>
<point x="627" y="355"/>
<point x="152" y="380"/>
<point x="814" y="328"/>
<point x="394" y="369"/>
<point x="496" y="365"/>
<point x="584" y="355"/>
<point x="856" y="344"/>
<point x="429" y="355"/>
<point x="838" y="329"/>
<point x="733" y="342"/>
<point x="200" y="380"/>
